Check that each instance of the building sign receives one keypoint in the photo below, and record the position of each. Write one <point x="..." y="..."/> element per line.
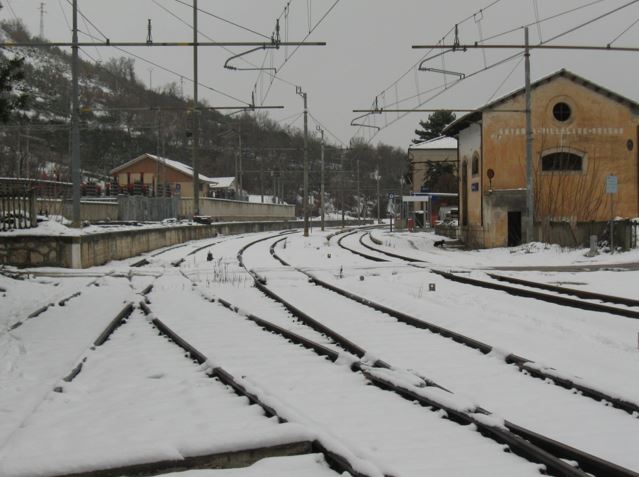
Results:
<point x="415" y="198"/>
<point x="611" y="184"/>
<point x="474" y="186"/>
<point x="595" y="131"/>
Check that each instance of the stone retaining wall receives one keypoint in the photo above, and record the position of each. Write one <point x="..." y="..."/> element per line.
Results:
<point x="97" y="249"/>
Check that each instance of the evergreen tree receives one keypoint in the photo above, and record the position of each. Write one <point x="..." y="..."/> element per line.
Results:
<point x="434" y="126"/>
<point x="11" y="72"/>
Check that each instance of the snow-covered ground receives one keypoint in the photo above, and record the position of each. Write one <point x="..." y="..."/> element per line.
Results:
<point x="139" y="400"/>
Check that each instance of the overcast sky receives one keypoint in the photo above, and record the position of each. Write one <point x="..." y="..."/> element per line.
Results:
<point x="369" y="48"/>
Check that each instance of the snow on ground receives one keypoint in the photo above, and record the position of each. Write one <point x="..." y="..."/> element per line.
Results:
<point x="329" y="398"/>
<point x="303" y="465"/>
<point x="420" y="245"/>
<point x="486" y="380"/>
<point x="44" y="349"/>
<point x="144" y="401"/>
<point x="137" y="400"/>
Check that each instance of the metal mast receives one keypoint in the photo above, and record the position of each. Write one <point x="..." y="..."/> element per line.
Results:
<point x="322" y="177"/>
<point x="196" y="119"/>
<point x="530" y="198"/>
<point x="76" y="176"/>
<point x="305" y="193"/>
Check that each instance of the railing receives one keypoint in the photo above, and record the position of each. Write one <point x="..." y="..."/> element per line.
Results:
<point x="17" y="205"/>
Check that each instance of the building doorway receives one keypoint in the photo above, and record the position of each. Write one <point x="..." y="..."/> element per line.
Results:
<point x="514" y="228"/>
<point x="464" y="191"/>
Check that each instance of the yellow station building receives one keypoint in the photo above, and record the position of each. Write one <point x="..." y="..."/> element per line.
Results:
<point x="582" y="134"/>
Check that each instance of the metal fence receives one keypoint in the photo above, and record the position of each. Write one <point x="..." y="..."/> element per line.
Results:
<point x="17" y="205"/>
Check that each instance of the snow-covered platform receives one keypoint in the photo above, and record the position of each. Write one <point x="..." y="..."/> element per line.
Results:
<point x="54" y="245"/>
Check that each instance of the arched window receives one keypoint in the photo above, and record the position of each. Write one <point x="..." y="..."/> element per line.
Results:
<point x="562" y="162"/>
<point x="475" y="164"/>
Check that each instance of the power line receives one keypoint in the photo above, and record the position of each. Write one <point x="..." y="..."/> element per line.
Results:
<point x="624" y="32"/>
<point x="11" y="9"/>
<point x="318" y="122"/>
<point x="286" y="60"/>
<point x="509" y="58"/>
<point x="177" y="17"/>
<point x="168" y="70"/>
<point x="225" y="20"/>
<point x="543" y="20"/>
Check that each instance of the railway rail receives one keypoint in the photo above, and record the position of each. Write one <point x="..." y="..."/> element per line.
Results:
<point x="525" y="288"/>
<point x="411" y="387"/>
<point x="522" y="363"/>
<point x="381" y="375"/>
<point x="588" y="462"/>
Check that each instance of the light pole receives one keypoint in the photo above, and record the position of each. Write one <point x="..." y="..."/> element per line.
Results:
<point x="322" y="177"/>
<point x="298" y="90"/>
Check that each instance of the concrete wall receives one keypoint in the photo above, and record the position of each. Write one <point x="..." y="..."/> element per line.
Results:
<point x="92" y="211"/>
<point x="98" y="249"/>
<point x="147" y="208"/>
<point x="234" y="209"/>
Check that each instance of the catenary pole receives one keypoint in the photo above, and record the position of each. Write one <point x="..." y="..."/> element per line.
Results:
<point x="359" y="205"/>
<point x="305" y="193"/>
<point x="530" y="199"/>
<point x="76" y="176"/>
<point x="196" y="119"/>
<point x="322" y="177"/>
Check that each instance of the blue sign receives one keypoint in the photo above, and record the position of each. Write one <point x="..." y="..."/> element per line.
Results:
<point x="391" y="195"/>
<point x="611" y="184"/>
<point x="474" y="186"/>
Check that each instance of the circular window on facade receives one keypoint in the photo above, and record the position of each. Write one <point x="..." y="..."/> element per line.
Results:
<point x="561" y="111"/>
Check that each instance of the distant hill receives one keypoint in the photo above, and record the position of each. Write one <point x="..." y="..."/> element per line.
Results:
<point x="120" y="120"/>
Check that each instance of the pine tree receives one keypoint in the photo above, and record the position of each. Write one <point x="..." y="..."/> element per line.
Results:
<point x="11" y="71"/>
<point x="434" y="126"/>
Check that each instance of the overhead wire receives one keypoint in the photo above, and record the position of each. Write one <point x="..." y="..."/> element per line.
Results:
<point x="593" y="20"/>
<point x="543" y="20"/>
<point x="508" y="76"/>
<point x="414" y="66"/>
<point x="536" y="9"/>
<point x="330" y="133"/>
<point x="286" y="60"/>
<point x="624" y="32"/>
<point x="168" y="70"/>
<point x="228" y="50"/>
<point x="242" y="27"/>
<point x="12" y="10"/>
<point x="510" y="58"/>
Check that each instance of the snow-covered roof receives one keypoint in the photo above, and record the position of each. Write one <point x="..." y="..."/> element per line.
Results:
<point x="180" y="167"/>
<point x="441" y="142"/>
<point x="222" y="182"/>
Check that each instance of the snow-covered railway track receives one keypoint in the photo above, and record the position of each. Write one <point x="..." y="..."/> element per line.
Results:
<point x="528" y="366"/>
<point x="569" y="405"/>
<point x="309" y="389"/>
<point x="37" y="354"/>
<point x="100" y="406"/>
<point x="525" y="288"/>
